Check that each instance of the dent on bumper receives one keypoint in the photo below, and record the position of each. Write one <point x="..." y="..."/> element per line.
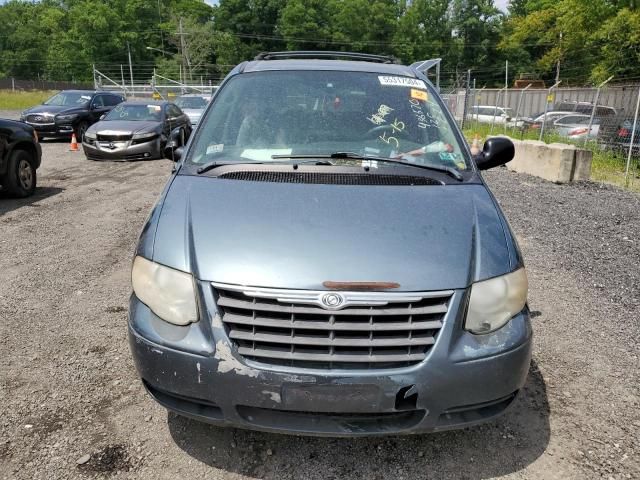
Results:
<point x="464" y="380"/>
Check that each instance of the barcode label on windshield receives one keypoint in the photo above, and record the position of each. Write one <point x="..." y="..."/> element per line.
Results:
<point x="401" y="81"/>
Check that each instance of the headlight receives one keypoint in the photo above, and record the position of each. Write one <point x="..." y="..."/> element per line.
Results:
<point x="139" y="136"/>
<point x="169" y="293"/>
<point x="495" y="301"/>
<point x="67" y="118"/>
<point x="90" y="135"/>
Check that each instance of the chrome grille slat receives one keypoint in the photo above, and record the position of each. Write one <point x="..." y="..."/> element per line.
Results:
<point x="257" y="321"/>
<point x="232" y="302"/>
<point x="327" y="357"/>
<point x="378" y="329"/>
<point x="328" y="341"/>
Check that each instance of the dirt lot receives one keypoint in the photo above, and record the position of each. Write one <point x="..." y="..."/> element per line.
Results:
<point x="68" y="388"/>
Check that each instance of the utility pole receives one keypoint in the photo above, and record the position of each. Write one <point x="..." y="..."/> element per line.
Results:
<point x="159" y="27"/>
<point x="184" y="52"/>
<point x="124" y="87"/>
<point x="130" y="66"/>
<point x="465" y="108"/>
<point x="506" y="90"/>
<point x="558" y="64"/>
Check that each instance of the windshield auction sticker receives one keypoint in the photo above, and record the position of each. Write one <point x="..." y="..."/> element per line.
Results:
<point x="401" y="82"/>
<point x="419" y="95"/>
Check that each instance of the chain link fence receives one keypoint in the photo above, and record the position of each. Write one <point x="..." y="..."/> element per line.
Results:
<point x="604" y="120"/>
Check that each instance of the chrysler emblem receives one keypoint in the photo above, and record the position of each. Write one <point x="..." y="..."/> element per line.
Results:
<point x="332" y="300"/>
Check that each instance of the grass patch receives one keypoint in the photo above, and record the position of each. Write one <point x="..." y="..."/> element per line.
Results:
<point x="607" y="166"/>
<point x="19" y="100"/>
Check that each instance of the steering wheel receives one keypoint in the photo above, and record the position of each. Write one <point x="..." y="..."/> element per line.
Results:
<point x="376" y="131"/>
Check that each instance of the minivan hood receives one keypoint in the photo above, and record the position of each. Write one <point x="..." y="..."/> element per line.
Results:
<point x="299" y="236"/>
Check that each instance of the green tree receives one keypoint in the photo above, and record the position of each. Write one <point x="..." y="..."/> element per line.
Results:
<point x="618" y="42"/>
<point x="306" y="24"/>
<point x="424" y="31"/>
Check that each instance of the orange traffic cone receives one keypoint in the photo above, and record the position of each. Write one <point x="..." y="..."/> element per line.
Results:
<point x="74" y="143"/>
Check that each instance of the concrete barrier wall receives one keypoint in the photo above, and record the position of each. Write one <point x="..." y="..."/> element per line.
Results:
<point x="555" y="162"/>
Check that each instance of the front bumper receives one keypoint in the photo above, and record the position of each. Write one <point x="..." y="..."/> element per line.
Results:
<point x="123" y="150"/>
<point x="52" y="130"/>
<point x="464" y="380"/>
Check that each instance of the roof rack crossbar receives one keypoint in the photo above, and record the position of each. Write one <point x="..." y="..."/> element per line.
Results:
<point x="424" y="66"/>
<point x="325" y="54"/>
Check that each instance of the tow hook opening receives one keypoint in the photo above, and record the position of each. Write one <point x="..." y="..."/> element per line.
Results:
<point x="407" y="398"/>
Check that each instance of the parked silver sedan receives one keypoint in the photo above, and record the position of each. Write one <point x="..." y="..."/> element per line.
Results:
<point x="136" y="131"/>
<point x="576" y="126"/>
<point x="193" y="105"/>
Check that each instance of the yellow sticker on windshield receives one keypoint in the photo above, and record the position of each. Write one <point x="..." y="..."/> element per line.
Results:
<point x="419" y="95"/>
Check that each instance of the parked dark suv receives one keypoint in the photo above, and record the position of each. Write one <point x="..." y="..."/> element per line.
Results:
<point x="70" y="111"/>
<point x="20" y="156"/>
<point x="327" y="259"/>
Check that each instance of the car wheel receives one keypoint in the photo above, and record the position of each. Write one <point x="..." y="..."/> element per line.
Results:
<point x="20" y="179"/>
<point x="80" y="130"/>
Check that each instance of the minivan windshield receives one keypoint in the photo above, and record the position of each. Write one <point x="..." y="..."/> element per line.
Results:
<point x="69" y="99"/>
<point x="259" y="115"/>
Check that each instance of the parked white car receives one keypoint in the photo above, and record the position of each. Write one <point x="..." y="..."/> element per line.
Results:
<point x="493" y="114"/>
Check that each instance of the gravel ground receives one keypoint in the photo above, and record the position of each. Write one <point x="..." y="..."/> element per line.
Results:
<point x="72" y="406"/>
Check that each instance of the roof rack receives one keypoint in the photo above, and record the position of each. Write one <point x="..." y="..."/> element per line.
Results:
<point x="319" y="54"/>
<point x="424" y="66"/>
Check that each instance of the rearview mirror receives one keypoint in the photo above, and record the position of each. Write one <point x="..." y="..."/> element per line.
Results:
<point x="496" y="151"/>
<point x="173" y="148"/>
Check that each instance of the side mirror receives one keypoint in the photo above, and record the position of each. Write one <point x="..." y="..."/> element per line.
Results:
<point x="496" y="151"/>
<point x="173" y="149"/>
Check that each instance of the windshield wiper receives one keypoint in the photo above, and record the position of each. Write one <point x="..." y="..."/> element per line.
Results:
<point x="356" y="156"/>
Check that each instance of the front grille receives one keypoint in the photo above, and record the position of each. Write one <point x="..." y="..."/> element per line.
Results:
<point x="373" y="330"/>
<point x="113" y="138"/>
<point x="328" y="178"/>
<point x="39" y="118"/>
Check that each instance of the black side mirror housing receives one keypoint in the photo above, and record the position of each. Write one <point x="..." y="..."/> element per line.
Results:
<point x="174" y="148"/>
<point x="496" y="151"/>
